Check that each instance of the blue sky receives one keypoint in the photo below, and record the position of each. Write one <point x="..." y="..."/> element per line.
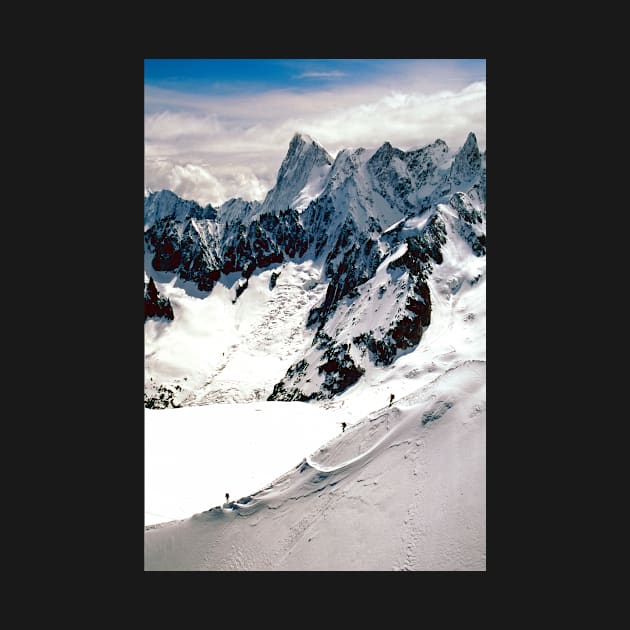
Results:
<point x="219" y="128"/>
<point x="218" y="76"/>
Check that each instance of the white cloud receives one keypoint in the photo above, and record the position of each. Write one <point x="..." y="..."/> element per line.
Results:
<point x="206" y="183"/>
<point x="212" y="148"/>
<point x="321" y="75"/>
<point x="168" y="125"/>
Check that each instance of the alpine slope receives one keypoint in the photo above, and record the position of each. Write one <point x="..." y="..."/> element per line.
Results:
<point x="355" y="291"/>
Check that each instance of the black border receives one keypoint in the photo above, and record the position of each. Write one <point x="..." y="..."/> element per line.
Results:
<point x="113" y="303"/>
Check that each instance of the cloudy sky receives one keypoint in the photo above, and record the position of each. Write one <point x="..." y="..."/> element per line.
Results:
<point x="219" y="128"/>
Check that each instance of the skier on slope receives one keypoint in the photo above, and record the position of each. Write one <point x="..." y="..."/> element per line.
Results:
<point x="391" y="399"/>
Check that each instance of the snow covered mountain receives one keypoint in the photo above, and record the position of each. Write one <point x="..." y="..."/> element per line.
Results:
<point x="301" y="176"/>
<point x="367" y="239"/>
<point x="353" y="293"/>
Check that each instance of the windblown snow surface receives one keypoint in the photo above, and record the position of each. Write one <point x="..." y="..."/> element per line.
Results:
<point x="403" y="488"/>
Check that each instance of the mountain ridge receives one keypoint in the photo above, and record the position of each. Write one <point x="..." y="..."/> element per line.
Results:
<point x="382" y="212"/>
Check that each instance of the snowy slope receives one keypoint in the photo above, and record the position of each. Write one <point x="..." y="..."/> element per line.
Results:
<point x="194" y="455"/>
<point x="218" y="350"/>
<point x="402" y="489"/>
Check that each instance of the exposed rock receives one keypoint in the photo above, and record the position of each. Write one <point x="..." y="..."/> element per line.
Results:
<point x="350" y="263"/>
<point x="467" y="163"/>
<point x="161" y="398"/>
<point x="154" y="304"/>
<point x="241" y="285"/>
<point x="340" y="371"/>
<point x="274" y="278"/>
<point x="470" y="226"/>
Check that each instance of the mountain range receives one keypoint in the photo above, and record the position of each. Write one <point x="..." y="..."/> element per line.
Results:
<point x="344" y="259"/>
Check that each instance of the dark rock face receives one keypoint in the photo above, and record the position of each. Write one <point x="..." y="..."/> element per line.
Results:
<point x="274" y="278"/>
<point x="316" y="218"/>
<point x="407" y="328"/>
<point x="179" y="247"/>
<point x="164" y="239"/>
<point x="340" y="371"/>
<point x="421" y="250"/>
<point x="337" y="367"/>
<point x="266" y="241"/>
<point x="201" y="250"/>
<point x="161" y="398"/>
<point x="296" y="374"/>
<point x="154" y="304"/>
<point x="196" y="262"/>
<point x="238" y="252"/>
<point x="350" y="263"/>
<point x="470" y="225"/>
<point x="465" y="209"/>
<point x="405" y="332"/>
<point x="241" y="285"/>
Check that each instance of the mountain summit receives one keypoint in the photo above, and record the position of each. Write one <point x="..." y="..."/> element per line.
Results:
<point x="301" y="175"/>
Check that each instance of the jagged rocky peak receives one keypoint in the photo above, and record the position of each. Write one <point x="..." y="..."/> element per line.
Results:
<point x="166" y="204"/>
<point x="436" y="151"/>
<point x="303" y="155"/>
<point x="306" y="163"/>
<point x="467" y="163"/>
<point x="384" y="155"/>
<point x="471" y="143"/>
<point x="300" y="140"/>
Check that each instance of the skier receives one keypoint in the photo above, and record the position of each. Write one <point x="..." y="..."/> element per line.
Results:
<point x="343" y="427"/>
<point x="391" y="399"/>
<point x="227" y="497"/>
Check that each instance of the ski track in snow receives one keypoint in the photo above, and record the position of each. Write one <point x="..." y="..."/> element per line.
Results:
<point x="413" y="527"/>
